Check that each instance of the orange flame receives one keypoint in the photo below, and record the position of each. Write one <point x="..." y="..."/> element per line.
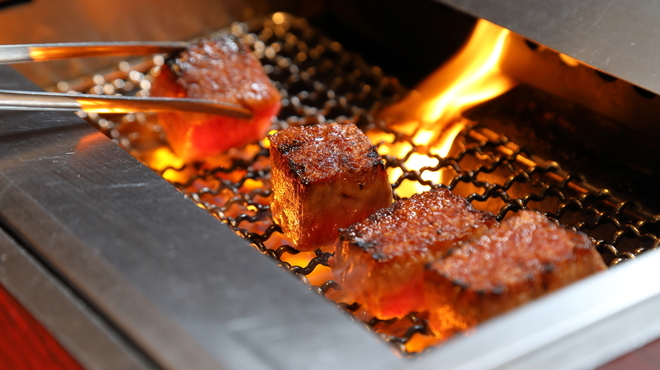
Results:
<point x="431" y="114"/>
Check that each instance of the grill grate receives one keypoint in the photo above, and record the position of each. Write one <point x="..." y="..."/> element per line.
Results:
<point x="319" y="82"/>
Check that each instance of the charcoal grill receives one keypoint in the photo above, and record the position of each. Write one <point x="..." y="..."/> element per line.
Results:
<point x="183" y="291"/>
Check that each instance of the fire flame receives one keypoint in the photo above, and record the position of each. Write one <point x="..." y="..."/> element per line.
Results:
<point x="431" y="113"/>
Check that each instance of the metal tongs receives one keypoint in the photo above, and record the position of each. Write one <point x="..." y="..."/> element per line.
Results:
<point x="25" y="100"/>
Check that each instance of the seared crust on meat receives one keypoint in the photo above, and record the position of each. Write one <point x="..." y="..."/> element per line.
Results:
<point x="325" y="177"/>
<point x="525" y="257"/>
<point x="380" y="260"/>
<point x="322" y="152"/>
<point x="224" y="70"/>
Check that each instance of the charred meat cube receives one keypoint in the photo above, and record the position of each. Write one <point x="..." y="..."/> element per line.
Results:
<point x="380" y="261"/>
<point x="325" y="177"/>
<point x="525" y="257"/>
<point x="223" y="70"/>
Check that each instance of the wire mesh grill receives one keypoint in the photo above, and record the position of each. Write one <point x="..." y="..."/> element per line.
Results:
<point x="320" y="81"/>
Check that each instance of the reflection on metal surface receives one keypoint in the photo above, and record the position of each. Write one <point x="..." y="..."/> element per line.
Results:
<point x="117" y="20"/>
<point x="621" y="38"/>
<point x="43" y="52"/>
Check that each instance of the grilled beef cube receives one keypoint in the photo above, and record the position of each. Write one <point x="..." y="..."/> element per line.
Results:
<point x="325" y="177"/>
<point x="525" y="257"/>
<point x="380" y="261"/>
<point x="221" y="70"/>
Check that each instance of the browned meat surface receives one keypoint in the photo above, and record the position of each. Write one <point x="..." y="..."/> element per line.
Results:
<point x="325" y="177"/>
<point x="381" y="260"/>
<point x="525" y="257"/>
<point x="222" y="70"/>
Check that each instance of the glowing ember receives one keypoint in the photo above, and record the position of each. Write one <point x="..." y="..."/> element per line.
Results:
<point x="431" y="114"/>
<point x="571" y="62"/>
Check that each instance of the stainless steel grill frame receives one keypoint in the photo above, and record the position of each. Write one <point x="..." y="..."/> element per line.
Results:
<point x="321" y="81"/>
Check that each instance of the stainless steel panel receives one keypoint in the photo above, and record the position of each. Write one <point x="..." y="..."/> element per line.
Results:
<point x="118" y="20"/>
<point x="621" y="38"/>
<point x="93" y="343"/>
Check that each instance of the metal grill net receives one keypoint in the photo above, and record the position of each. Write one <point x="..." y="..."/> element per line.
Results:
<point x="319" y="82"/>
